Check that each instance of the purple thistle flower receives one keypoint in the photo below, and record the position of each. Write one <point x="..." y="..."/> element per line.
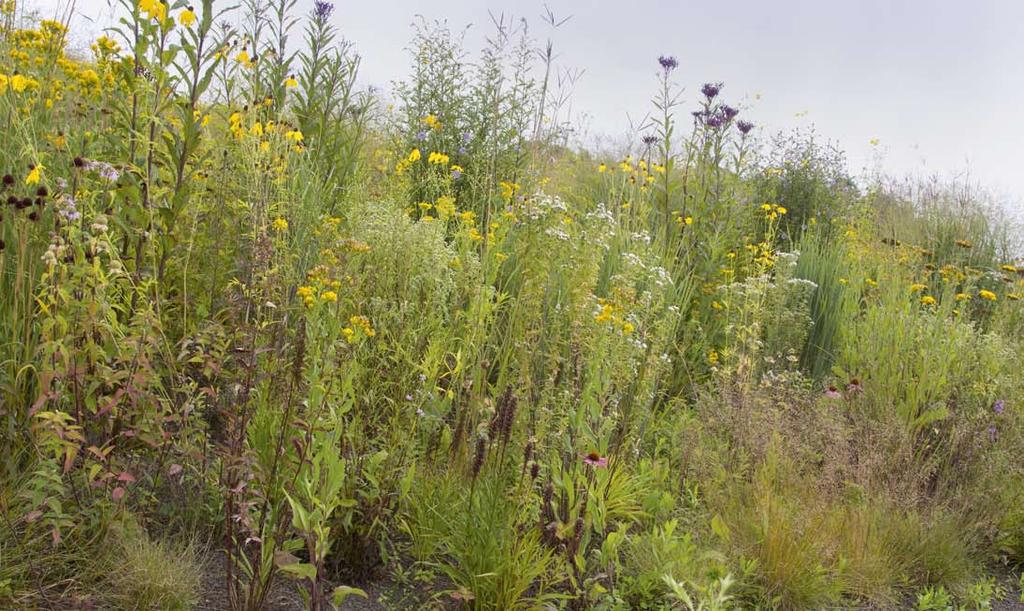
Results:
<point x="999" y="406"/>
<point x="668" y="63"/>
<point x="728" y="112"/>
<point x="710" y="90"/>
<point x="322" y="10"/>
<point x="714" y="121"/>
<point x="744" y="126"/>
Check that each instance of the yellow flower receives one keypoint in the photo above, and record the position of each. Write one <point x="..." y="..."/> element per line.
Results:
<point x="602" y="168"/>
<point x="431" y="121"/>
<point x="154" y="9"/>
<point x="1008" y="268"/>
<point x="35" y="174"/>
<point x="294" y="135"/>
<point x="280" y="224"/>
<point x="713" y="357"/>
<point x="438" y="158"/>
<point x="20" y="83"/>
<point x="986" y="294"/>
<point x="916" y="287"/>
<point x="187" y="17"/>
<point x="414" y="155"/>
<point x="688" y="220"/>
<point x="330" y="296"/>
<point x="290" y="82"/>
<point x="927" y="300"/>
<point x="962" y="296"/>
<point x="627" y="328"/>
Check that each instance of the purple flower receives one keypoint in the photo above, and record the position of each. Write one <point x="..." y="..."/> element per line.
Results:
<point x="466" y="137"/>
<point x="992" y="434"/>
<point x="744" y="126"/>
<point x="421" y="135"/>
<point x="999" y="406"/>
<point x="456" y="174"/>
<point x="322" y="10"/>
<point x="710" y="90"/>
<point x="668" y="63"/>
<point x="649" y="139"/>
<point x="462" y="150"/>
<point x="832" y="393"/>
<point x="714" y="121"/>
<point x="728" y="112"/>
<point x="596" y="460"/>
<point x="854" y="386"/>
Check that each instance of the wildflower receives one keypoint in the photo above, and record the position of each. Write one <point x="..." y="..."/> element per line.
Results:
<point x="8" y="180"/>
<point x="456" y="172"/>
<point x="602" y="168"/>
<point x="35" y="173"/>
<point x="744" y="127"/>
<point x="154" y="9"/>
<point x="187" y="17"/>
<point x="917" y="287"/>
<point x="999" y="406"/>
<point x="329" y="296"/>
<point x="421" y="135"/>
<point x="927" y="300"/>
<point x="728" y="112"/>
<point x="832" y="392"/>
<point x="668" y="63"/>
<point x="594" y="459"/>
<point x="854" y="386"/>
<point x="986" y="294"/>
<point x="280" y="224"/>
<point x="290" y="82"/>
<point x="437" y="158"/>
<point x="964" y="243"/>
<point x="322" y="10"/>
<point x="431" y="121"/>
<point x="962" y="296"/>
<point x="711" y="90"/>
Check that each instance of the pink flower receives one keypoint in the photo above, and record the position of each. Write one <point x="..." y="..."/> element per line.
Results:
<point x="596" y="460"/>
<point x="832" y="393"/>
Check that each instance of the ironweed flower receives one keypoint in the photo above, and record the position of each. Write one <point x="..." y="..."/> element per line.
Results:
<point x="668" y="63"/>
<point x="710" y="90"/>
<point x="728" y="112"/>
<point x="744" y="127"/>
<point x="323" y="10"/>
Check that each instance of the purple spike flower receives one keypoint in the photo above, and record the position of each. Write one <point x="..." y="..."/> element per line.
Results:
<point x="710" y="90"/>
<point x="744" y="126"/>
<point x="322" y="9"/>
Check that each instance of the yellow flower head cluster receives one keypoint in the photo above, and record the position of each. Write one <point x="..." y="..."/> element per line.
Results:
<point x="154" y="9"/>
<point x="358" y="324"/>
<point x="413" y="157"/>
<point x="986" y="294"/>
<point x="508" y="189"/>
<point x="773" y="211"/>
<point x="436" y="158"/>
<point x="431" y="121"/>
<point x="611" y="314"/>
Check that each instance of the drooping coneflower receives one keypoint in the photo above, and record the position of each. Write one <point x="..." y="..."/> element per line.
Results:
<point x="832" y="392"/>
<point x="594" y="459"/>
<point x="854" y="386"/>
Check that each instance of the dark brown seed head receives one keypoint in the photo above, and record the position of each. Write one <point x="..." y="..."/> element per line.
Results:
<point x="42" y="192"/>
<point x="479" y="455"/>
<point x="33" y="216"/>
<point x="8" y="180"/>
<point x="78" y="162"/>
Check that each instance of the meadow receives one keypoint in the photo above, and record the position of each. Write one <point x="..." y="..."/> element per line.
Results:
<point x="272" y="340"/>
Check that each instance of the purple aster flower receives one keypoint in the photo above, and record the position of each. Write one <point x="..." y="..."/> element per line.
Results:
<point x="999" y="406"/>
<point x="466" y="137"/>
<point x="728" y="112"/>
<point x="710" y="90"/>
<point x="668" y="63"/>
<point x="421" y="135"/>
<point x="462" y="150"/>
<point x="322" y="10"/>
<point x="744" y="126"/>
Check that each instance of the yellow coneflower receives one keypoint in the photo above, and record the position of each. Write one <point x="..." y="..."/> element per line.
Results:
<point x="187" y="17"/>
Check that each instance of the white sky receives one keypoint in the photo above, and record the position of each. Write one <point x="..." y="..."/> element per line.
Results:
<point x="940" y="83"/>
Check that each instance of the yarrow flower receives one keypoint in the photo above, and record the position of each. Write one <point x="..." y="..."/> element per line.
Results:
<point x="668" y="63"/>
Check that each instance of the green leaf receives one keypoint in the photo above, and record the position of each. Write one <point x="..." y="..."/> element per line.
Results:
<point x="300" y="570"/>
<point x="342" y="592"/>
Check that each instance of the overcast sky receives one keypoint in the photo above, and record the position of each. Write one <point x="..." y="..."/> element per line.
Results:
<point x="939" y="83"/>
